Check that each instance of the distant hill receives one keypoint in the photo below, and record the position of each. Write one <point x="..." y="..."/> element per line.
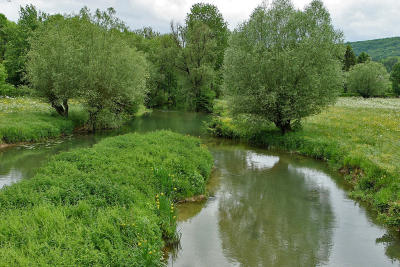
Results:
<point x="379" y="48"/>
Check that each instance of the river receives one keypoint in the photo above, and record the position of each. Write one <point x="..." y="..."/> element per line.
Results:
<point x="265" y="208"/>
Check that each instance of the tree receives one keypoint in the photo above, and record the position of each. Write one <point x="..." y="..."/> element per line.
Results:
<point x="395" y="78"/>
<point x="4" y="26"/>
<point x="18" y="42"/>
<point x="390" y="62"/>
<point x="85" y="56"/>
<point x="284" y="64"/>
<point x="196" y="62"/>
<point x="368" y="79"/>
<point x="363" y="57"/>
<point x="211" y="16"/>
<point x="350" y="58"/>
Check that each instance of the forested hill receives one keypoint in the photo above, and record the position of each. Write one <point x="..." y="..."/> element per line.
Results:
<point x="379" y="48"/>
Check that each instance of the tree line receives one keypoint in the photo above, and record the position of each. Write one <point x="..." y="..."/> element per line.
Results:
<point x="282" y="64"/>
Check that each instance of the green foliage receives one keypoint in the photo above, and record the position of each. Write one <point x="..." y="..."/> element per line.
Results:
<point x="363" y="58"/>
<point x="29" y="120"/>
<point x="4" y="26"/>
<point x="210" y="16"/>
<point x="350" y="58"/>
<point x="18" y="42"/>
<point x="395" y="79"/>
<point x="201" y="43"/>
<point x="161" y="51"/>
<point x="379" y="48"/>
<point x="368" y="79"/>
<point x="283" y="64"/>
<point x="86" y="56"/>
<point x="390" y="62"/>
<point x="109" y="205"/>
<point x="363" y="147"/>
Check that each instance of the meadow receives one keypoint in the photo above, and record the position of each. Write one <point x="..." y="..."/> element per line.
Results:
<point x="25" y="119"/>
<point x="109" y="205"/>
<point x="359" y="137"/>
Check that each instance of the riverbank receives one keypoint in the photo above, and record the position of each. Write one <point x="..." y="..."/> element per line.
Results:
<point x="112" y="204"/>
<point x="358" y="137"/>
<point x="25" y="120"/>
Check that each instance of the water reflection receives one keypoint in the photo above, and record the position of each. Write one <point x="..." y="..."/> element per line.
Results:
<point x="279" y="210"/>
<point x="275" y="218"/>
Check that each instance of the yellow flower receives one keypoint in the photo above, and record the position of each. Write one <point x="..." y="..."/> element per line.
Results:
<point x="162" y="194"/>
<point x="175" y="188"/>
<point x="139" y="244"/>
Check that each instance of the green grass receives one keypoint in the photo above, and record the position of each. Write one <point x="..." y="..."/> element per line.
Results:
<point x="109" y="205"/>
<point x="28" y="119"/>
<point x="359" y="137"/>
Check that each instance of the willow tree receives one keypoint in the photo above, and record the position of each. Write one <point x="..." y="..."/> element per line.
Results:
<point x="86" y="57"/>
<point x="284" y="64"/>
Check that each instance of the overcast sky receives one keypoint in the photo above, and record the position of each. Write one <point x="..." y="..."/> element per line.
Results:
<point x="358" y="19"/>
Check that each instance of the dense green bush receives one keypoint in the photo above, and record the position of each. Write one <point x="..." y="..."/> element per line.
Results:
<point x="109" y="205"/>
<point x="368" y="79"/>
<point x="395" y="79"/>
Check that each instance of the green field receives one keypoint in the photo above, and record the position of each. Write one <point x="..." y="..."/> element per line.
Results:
<point x="109" y="205"/>
<point x="359" y="137"/>
<point x="29" y="119"/>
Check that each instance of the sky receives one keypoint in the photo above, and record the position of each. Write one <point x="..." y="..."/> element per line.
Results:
<point x="358" y="19"/>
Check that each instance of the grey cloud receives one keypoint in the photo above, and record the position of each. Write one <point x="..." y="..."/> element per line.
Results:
<point x="358" y="19"/>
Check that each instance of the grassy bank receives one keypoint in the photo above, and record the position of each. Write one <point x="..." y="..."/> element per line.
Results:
<point x="25" y="119"/>
<point x="109" y="205"/>
<point x="359" y="137"/>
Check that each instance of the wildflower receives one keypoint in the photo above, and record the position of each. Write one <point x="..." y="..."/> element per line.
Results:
<point x="162" y="193"/>
<point x="175" y="188"/>
<point x="139" y="244"/>
<point x="150" y="252"/>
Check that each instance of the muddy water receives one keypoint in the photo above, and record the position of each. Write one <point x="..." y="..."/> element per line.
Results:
<point x="265" y="209"/>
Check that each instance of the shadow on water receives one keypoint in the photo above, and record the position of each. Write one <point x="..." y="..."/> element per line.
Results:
<point x="265" y="208"/>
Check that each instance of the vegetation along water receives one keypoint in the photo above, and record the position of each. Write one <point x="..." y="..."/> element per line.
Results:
<point x="95" y="153"/>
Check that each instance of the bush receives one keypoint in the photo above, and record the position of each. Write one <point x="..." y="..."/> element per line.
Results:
<point x="368" y="79"/>
<point x="395" y="78"/>
<point x="109" y="205"/>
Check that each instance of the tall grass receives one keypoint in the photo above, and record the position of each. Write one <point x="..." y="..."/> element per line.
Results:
<point x="28" y="119"/>
<point x="109" y="205"/>
<point x="359" y="137"/>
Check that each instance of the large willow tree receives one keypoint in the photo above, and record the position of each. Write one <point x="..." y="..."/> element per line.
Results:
<point x="86" y="57"/>
<point x="284" y="64"/>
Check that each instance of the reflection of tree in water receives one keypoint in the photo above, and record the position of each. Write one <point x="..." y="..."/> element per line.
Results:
<point x="273" y="217"/>
<point x="392" y="245"/>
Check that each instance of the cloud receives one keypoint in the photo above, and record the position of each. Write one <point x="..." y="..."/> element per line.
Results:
<point x="358" y="19"/>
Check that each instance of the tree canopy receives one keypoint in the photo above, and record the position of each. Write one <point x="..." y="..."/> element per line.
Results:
<point x="86" y="56"/>
<point x="284" y="64"/>
<point x="395" y="78"/>
<point x="368" y="79"/>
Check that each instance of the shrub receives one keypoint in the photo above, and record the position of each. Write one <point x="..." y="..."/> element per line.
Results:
<point x="368" y="79"/>
<point x="395" y="78"/>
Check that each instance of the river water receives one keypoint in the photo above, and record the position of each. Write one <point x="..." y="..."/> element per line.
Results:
<point x="265" y="208"/>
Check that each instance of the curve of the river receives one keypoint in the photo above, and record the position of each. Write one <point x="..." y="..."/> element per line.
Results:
<point x="265" y="208"/>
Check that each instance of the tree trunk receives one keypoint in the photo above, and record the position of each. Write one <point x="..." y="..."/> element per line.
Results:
<point x="61" y="109"/>
<point x="284" y="126"/>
